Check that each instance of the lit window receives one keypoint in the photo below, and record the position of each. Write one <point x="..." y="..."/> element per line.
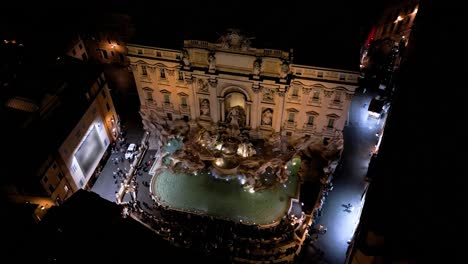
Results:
<point x="310" y="120"/>
<point x="295" y="92"/>
<point x="167" y="98"/>
<point x="149" y="95"/>
<point x="337" y="98"/>
<point x="316" y="95"/>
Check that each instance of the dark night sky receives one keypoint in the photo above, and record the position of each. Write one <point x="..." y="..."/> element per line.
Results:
<point x="322" y="33"/>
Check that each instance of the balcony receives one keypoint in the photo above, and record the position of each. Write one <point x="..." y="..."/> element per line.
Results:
<point x="336" y="104"/>
<point x="290" y="125"/>
<point x="314" y="101"/>
<point x="184" y="108"/>
<point x="309" y="127"/>
<point x="168" y="106"/>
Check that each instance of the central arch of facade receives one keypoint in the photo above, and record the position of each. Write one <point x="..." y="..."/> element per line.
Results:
<point x="232" y="96"/>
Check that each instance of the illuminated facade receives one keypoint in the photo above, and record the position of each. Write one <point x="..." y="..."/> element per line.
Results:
<point x="86" y="144"/>
<point x="205" y="81"/>
<point x="77" y="49"/>
<point x="107" y="49"/>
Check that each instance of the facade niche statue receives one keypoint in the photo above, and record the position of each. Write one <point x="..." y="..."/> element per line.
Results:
<point x="257" y="66"/>
<point x="267" y="117"/>
<point x="185" y="58"/>
<point x="211" y="62"/>
<point x="284" y="69"/>
<point x="205" y="107"/>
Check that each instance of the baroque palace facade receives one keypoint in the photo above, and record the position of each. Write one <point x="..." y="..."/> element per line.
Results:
<point x="208" y="82"/>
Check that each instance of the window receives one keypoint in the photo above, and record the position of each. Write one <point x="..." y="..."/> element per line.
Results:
<point x="108" y="106"/>
<point x="121" y="57"/>
<point x="316" y="95"/>
<point x="177" y="57"/>
<point x="65" y="187"/>
<point x="181" y="75"/>
<point x="288" y="134"/>
<point x="81" y="183"/>
<point x="310" y="120"/>
<point x="73" y="168"/>
<point x="399" y="26"/>
<point x="51" y="188"/>
<point x="320" y="74"/>
<point x="342" y="77"/>
<point x="291" y="117"/>
<point x="162" y="74"/>
<point x="184" y="100"/>
<point x="45" y="179"/>
<point x="149" y="95"/>
<point x="112" y="53"/>
<point x="140" y="52"/>
<point x="74" y="52"/>
<point x="60" y="175"/>
<point x="143" y="70"/>
<point x="337" y="98"/>
<point x="295" y="92"/>
<point x="104" y="53"/>
<point x="167" y="98"/>
<point x="298" y="72"/>
<point x="80" y="46"/>
<point x="158" y="54"/>
<point x="104" y="94"/>
<point x="331" y="122"/>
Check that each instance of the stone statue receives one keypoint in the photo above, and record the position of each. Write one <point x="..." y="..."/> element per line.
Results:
<point x="284" y="69"/>
<point x="202" y="86"/>
<point x="185" y="58"/>
<point x="205" y="107"/>
<point x="245" y="44"/>
<point x="234" y="116"/>
<point x="257" y="66"/>
<point x="267" y="117"/>
<point x="212" y="62"/>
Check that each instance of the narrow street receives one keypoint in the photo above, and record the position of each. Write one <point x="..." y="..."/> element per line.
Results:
<point x="349" y="184"/>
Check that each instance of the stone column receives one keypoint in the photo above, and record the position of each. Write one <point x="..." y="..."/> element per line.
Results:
<point x="214" y="110"/>
<point x="221" y="102"/>
<point x="249" y="107"/>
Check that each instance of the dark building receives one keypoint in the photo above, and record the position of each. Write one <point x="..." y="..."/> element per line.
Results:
<point x="88" y="228"/>
<point x="43" y="102"/>
<point x="405" y="218"/>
